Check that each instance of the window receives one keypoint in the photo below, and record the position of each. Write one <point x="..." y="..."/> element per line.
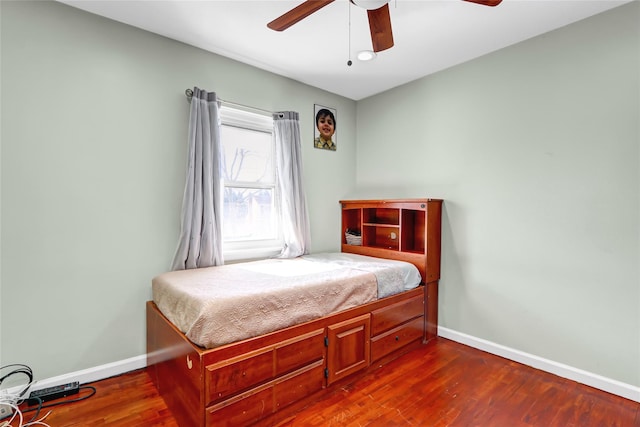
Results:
<point x="251" y="217"/>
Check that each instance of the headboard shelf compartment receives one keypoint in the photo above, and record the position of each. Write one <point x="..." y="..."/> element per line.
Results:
<point x="381" y="216"/>
<point x="381" y="236"/>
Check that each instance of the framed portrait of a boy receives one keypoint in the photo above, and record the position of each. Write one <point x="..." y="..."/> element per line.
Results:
<point x="325" y="136"/>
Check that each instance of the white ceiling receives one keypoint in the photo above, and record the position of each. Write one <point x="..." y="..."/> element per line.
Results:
<point x="429" y="35"/>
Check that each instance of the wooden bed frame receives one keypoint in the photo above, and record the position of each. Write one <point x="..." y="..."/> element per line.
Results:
<point x="267" y="379"/>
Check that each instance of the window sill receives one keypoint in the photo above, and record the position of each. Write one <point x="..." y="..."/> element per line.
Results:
<point x="239" y="255"/>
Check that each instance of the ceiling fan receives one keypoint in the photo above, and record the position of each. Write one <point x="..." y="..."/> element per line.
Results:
<point x="377" y="12"/>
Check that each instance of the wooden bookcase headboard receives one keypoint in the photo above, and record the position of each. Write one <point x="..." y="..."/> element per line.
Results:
<point x="403" y="229"/>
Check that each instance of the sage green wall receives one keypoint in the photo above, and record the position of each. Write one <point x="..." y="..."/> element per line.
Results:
<point x="535" y="149"/>
<point x="94" y="126"/>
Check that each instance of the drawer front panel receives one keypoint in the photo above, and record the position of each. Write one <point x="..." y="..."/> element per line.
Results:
<point x="253" y="405"/>
<point x="294" y="354"/>
<point x="242" y="411"/>
<point x="396" y="338"/>
<point x="396" y="314"/>
<point x="305" y="382"/>
<point x="237" y="375"/>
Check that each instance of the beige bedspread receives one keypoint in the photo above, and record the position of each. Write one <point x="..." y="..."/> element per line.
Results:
<point x="220" y="305"/>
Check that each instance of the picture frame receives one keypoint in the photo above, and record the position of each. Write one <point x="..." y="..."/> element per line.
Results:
<point x="325" y="136"/>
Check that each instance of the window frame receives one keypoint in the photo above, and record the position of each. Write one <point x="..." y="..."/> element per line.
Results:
<point x="258" y="121"/>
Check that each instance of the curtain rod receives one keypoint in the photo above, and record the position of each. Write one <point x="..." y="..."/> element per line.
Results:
<point x="189" y="94"/>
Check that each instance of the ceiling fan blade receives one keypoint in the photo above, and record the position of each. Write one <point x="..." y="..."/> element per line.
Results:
<point x="380" y="26"/>
<point x="486" y="2"/>
<point x="297" y="14"/>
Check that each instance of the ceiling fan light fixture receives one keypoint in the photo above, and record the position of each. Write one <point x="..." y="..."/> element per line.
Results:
<point x="366" y="55"/>
<point x="370" y="4"/>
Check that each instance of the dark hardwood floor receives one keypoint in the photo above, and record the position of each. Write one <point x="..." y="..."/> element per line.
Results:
<point x="441" y="384"/>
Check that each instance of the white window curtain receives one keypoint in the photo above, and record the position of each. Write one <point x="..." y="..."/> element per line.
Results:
<point x="295" y="218"/>
<point x="200" y="242"/>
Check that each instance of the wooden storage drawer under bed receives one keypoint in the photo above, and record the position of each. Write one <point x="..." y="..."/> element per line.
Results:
<point x="235" y="375"/>
<point x="396" y="338"/>
<point x="264" y="400"/>
<point x="389" y="317"/>
<point x="396" y="326"/>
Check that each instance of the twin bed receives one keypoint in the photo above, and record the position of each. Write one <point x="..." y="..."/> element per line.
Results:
<point x="252" y="343"/>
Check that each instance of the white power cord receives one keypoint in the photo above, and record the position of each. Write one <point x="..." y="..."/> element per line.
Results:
<point x="9" y="402"/>
<point x="17" y="416"/>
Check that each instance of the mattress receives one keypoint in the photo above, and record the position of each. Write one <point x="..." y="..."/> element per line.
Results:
<point x="219" y="305"/>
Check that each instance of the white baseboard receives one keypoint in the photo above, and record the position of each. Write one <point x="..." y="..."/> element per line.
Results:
<point x="94" y="374"/>
<point x="609" y="385"/>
